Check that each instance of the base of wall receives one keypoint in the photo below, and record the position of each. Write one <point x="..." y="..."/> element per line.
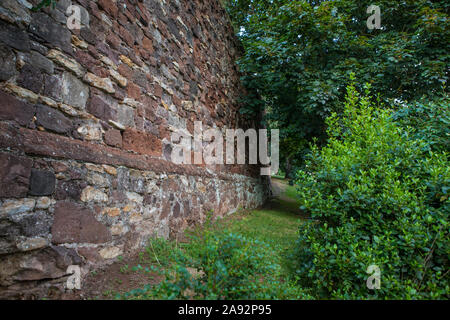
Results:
<point x="89" y="214"/>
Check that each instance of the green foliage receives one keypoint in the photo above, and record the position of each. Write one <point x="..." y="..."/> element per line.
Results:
<point x="377" y="196"/>
<point x="234" y="260"/>
<point x="161" y="252"/>
<point x="298" y="55"/>
<point x="45" y="3"/>
<point x="224" y="266"/>
<point x="431" y="121"/>
<point x="229" y="267"/>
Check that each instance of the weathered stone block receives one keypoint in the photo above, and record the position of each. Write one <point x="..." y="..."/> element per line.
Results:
<point x="30" y="244"/>
<point x="53" y="119"/>
<point x="122" y="81"/>
<point x="14" y="175"/>
<point x="109" y="6"/>
<point x="74" y="92"/>
<point x="50" y="31"/>
<point x="14" y="207"/>
<point x="14" y="37"/>
<point x="35" y="224"/>
<point x="65" y="62"/>
<point x="66" y="190"/>
<point x="31" y="78"/>
<point x="12" y="108"/>
<point x="49" y="263"/>
<point x="14" y="11"/>
<point x="42" y="183"/>
<point x="126" y="36"/>
<point x="36" y="46"/>
<point x="52" y="87"/>
<point x="134" y="91"/>
<point x="91" y="194"/>
<point x="148" y="45"/>
<point x="44" y="203"/>
<point x="113" y="138"/>
<point x="125" y="115"/>
<point x="40" y="62"/>
<point x="7" y="63"/>
<point x="91" y="131"/>
<point x="86" y="60"/>
<point x="58" y="16"/>
<point x="101" y="109"/>
<point x="110" y="253"/>
<point x="142" y="142"/>
<point x="76" y="224"/>
<point x="98" y="82"/>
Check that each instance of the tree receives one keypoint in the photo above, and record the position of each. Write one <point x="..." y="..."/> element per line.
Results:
<point x="298" y="55"/>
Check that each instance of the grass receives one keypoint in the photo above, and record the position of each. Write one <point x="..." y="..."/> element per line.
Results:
<point x="291" y="192"/>
<point x="275" y="227"/>
<point x="279" y="176"/>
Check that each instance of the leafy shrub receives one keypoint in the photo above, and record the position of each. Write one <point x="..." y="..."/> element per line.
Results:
<point x="377" y="196"/>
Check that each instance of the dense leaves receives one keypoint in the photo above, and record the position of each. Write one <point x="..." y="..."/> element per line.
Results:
<point x="221" y="266"/>
<point x="298" y="55"/>
<point x="431" y="119"/>
<point x="378" y="196"/>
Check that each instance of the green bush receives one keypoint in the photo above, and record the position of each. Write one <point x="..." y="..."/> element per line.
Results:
<point x="377" y="196"/>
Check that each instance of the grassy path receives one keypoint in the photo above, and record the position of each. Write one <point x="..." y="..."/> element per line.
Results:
<point x="277" y="223"/>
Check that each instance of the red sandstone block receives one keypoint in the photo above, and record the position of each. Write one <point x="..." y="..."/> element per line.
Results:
<point x="100" y="72"/>
<point x="109" y="6"/>
<point x="113" y="40"/>
<point x="126" y="36"/>
<point x="101" y="109"/>
<point x="140" y="111"/>
<point x="122" y="18"/>
<point x="131" y="6"/>
<point x="13" y="109"/>
<point x="157" y="90"/>
<point x="134" y="91"/>
<point x="93" y="51"/>
<point x="14" y="175"/>
<point x="142" y="142"/>
<point x="86" y="60"/>
<point x="147" y="44"/>
<point x="113" y="138"/>
<point x="76" y="224"/>
<point x="142" y="53"/>
<point x="129" y="15"/>
<point x="125" y="71"/>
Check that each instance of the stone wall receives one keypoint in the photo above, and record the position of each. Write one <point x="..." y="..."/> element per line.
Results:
<point x="86" y="118"/>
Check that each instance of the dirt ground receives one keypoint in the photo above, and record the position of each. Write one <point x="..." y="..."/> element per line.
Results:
<point x="106" y="283"/>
